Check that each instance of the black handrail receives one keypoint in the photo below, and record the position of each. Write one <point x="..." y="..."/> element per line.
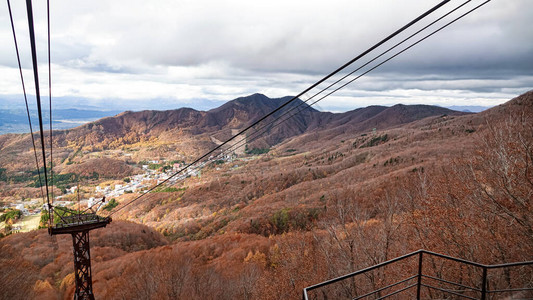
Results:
<point x="483" y="289"/>
<point x="386" y="287"/>
<point x="359" y="272"/>
<point x="452" y="283"/>
<point x="464" y="261"/>
<point x="448" y="291"/>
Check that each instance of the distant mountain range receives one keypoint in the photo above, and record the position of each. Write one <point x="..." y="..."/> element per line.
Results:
<point x="186" y="132"/>
<point x="14" y="120"/>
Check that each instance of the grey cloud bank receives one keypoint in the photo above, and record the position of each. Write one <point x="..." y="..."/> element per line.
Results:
<point x="195" y="52"/>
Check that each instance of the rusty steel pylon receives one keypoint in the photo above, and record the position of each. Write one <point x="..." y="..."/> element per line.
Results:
<point x="78" y="226"/>
<point x="82" y="265"/>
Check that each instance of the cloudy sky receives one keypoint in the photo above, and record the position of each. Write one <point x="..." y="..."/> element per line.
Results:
<point x="130" y="54"/>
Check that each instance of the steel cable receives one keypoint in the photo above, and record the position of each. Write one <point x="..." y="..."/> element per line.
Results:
<point x="50" y="101"/>
<point x="37" y="92"/>
<point x="245" y="140"/>
<point x="414" y="21"/>
<point x="236" y="145"/>
<point x="25" y="99"/>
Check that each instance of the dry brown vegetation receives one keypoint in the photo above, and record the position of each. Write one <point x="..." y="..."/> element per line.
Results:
<point x="319" y="205"/>
<point x="105" y="167"/>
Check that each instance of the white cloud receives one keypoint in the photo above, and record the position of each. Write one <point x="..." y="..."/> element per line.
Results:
<point x="143" y="51"/>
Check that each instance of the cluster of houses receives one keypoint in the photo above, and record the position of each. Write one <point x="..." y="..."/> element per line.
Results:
<point x="23" y="207"/>
<point x="140" y="182"/>
<point x="136" y="184"/>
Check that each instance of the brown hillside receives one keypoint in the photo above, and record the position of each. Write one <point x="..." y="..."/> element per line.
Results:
<point x="318" y="205"/>
<point x="105" y="167"/>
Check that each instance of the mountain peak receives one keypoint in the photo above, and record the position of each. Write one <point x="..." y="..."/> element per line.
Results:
<point x="261" y="104"/>
<point x="253" y="97"/>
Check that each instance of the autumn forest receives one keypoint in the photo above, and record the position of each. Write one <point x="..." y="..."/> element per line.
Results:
<point x="318" y="197"/>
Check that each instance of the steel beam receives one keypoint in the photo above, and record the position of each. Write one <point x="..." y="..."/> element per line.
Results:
<point x="82" y="266"/>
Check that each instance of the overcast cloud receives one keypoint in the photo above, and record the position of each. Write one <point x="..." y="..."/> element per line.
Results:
<point x="168" y="54"/>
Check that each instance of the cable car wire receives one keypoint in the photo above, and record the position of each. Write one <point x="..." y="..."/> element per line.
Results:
<point x="25" y="99"/>
<point x="50" y="101"/>
<point x="37" y="93"/>
<point x="342" y="86"/>
<point x="258" y="132"/>
<point x="414" y="21"/>
<point x="352" y="72"/>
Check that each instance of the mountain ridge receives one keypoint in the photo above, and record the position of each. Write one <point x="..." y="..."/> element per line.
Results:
<point x="185" y="132"/>
<point x="243" y="111"/>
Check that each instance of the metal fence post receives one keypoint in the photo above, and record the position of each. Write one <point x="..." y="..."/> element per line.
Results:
<point x="419" y="283"/>
<point x="484" y="284"/>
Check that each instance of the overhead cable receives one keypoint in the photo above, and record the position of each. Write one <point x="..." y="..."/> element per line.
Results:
<point x="265" y="127"/>
<point x="352" y="72"/>
<point x="237" y="145"/>
<point x="414" y="21"/>
<point x="25" y="99"/>
<point x="50" y="101"/>
<point x="37" y="92"/>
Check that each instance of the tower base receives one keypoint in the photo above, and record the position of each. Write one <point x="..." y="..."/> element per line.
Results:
<point x="82" y="266"/>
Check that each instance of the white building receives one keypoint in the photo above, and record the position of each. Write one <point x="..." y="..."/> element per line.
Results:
<point x="22" y="209"/>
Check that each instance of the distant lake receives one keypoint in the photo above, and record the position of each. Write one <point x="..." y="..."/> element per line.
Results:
<point x="16" y="120"/>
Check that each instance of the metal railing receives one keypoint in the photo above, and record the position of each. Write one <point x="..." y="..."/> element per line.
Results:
<point x="79" y="219"/>
<point x="428" y="275"/>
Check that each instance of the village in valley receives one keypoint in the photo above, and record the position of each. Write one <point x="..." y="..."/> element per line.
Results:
<point x="104" y="195"/>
